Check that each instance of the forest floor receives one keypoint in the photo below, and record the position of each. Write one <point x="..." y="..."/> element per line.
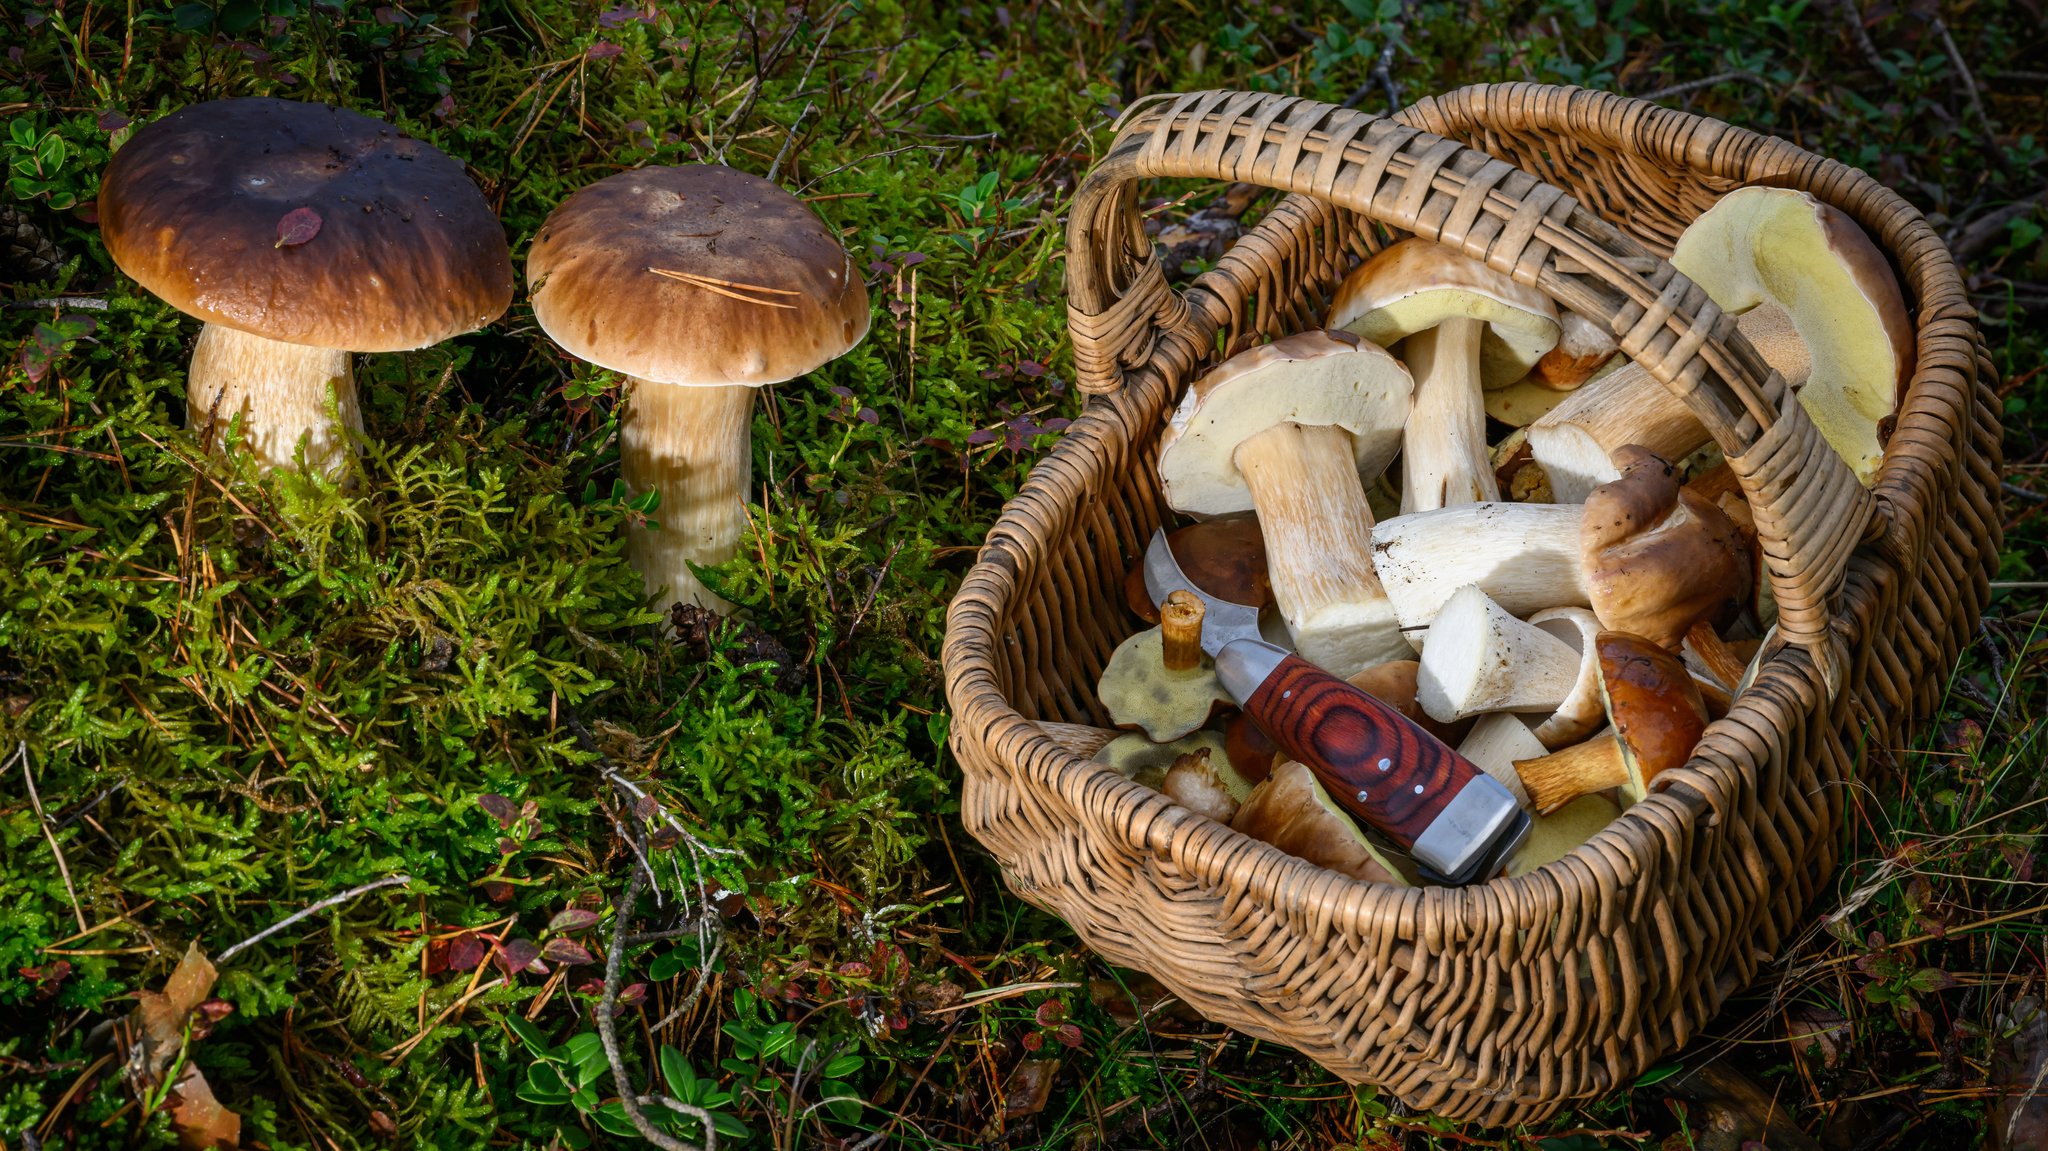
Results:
<point x="225" y="699"/>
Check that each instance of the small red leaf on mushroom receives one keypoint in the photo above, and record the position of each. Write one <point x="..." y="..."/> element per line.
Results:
<point x="297" y="226"/>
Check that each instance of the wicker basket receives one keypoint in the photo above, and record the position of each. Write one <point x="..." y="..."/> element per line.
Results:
<point x="1504" y="1001"/>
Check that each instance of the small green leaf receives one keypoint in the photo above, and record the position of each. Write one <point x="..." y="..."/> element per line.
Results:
<point x="681" y="1077"/>
<point x="1658" y="1074"/>
<point x="843" y="1066"/>
<point x="612" y="1117"/>
<point x="530" y="1037"/>
<point x="543" y="1077"/>
<point x="585" y="1100"/>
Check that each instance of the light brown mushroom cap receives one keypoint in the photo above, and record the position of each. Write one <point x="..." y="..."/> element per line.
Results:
<point x="407" y="253"/>
<point x="1659" y="558"/>
<point x="1783" y="245"/>
<point x="1315" y="379"/>
<point x="1292" y="812"/>
<point x="1583" y="348"/>
<point x="1140" y="691"/>
<point x="1417" y="284"/>
<point x="698" y="275"/>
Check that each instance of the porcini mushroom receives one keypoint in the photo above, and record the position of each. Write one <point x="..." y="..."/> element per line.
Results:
<point x="1584" y="349"/>
<point x="1292" y="429"/>
<point x="1580" y="712"/>
<point x="1292" y="812"/>
<point x="1656" y="716"/>
<point x="1462" y="327"/>
<point x="1396" y="683"/>
<point x="1224" y="557"/>
<point x="700" y="283"/>
<point x="1139" y="689"/>
<point x="1553" y="836"/>
<point x="1478" y="658"/>
<point x="1783" y="246"/>
<point x="1524" y="556"/>
<point x="1196" y="781"/>
<point x="1659" y="558"/>
<point x="1140" y="760"/>
<point x="1496" y="741"/>
<point x="299" y="233"/>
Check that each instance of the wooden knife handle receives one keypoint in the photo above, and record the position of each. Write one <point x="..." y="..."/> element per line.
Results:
<point x="1374" y="761"/>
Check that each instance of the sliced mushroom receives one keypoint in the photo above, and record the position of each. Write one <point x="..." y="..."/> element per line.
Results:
<point x="1554" y="836"/>
<point x="1196" y="783"/>
<point x="1783" y="246"/>
<point x="1478" y="658"/>
<point x="1496" y="741"/>
<point x="1395" y="684"/>
<point x="1584" y="348"/>
<point x="1580" y="713"/>
<point x="1291" y="430"/>
<point x="1292" y="812"/>
<point x="1140" y="691"/>
<point x="1656" y="716"/>
<point x="1524" y="556"/>
<point x="1462" y="327"/>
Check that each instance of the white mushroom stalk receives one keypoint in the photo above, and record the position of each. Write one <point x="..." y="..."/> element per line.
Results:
<point x="1477" y="658"/>
<point x="1291" y="430"/>
<point x="1580" y="713"/>
<point x="1463" y="327"/>
<point x="693" y="447"/>
<point x="1493" y="745"/>
<point x="1525" y="557"/>
<point x="283" y="393"/>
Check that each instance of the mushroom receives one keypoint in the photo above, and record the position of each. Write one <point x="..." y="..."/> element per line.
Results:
<point x="1478" y="658"/>
<point x="1463" y="327"/>
<point x="1140" y="760"/>
<point x="1523" y="403"/>
<point x="700" y="283"/>
<point x="1250" y="750"/>
<point x="1661" y="561"/>
<point x="1224" y="557"/>
<point x="1554" y="836"/>
<point x="1291" y="429"/>
<point x="1524" y="556"/>
<point x="299" y="233"/>
<point x="1783" y="246"/>
<point x="1585" y="349"/>
<point x="1656" y="716"/>
<point x="1196" y="782"/>
<point x="1292" y="812"/>
<point x="1580" y="713"/>
<point x="1495" y="742"/>
<point x="1140" y="691"/>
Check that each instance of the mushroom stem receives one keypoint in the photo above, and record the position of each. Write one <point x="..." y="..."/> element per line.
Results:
<point x="1575" y="439"/>
<point x="1313" y="514"/>
<point x="1477" y="658"/>
<point x="1714" y="654"/>
<point x="1562" y="776"/>
<point x="1525" y="556"/>
<point x="1443" y="456"/>
<point x="281" y="392"/>
<point x="1180" y="631"/>
<point x="693" y="446"/>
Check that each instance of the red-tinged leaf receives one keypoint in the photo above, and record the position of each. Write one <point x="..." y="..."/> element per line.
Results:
<point x="633" y="994"/>
<point x="1032" y="1040"/>
<point x="499" y="808"/>
<point x="573" y="919"/>
<point x="1070" y="1035"/>
<point x="297" y="226"/>
<point x="1051" y="1013"/>
<point x="516" y="956"/>
<point x="602" y="50"/>
<point x="562" y="949"/>
<point x="497" y="890"/>
<point x="467" y="950"/>
<point x="112" y="121"/>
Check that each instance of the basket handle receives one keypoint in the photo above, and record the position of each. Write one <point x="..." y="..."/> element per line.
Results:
<point x="1125" y="319"/>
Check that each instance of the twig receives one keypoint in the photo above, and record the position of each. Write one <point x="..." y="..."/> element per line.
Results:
<point x="1696" y="85"/>
<point x="1852" y="18"/>
<point x="43" y="821"/>
<point x="1382" y="75"/>
<point x="1972" y="239"/>
<point x="630" y="1101"/>
<point x="1955" y="56"/>
<point x="788" y="142"/>
<point x="2018" y="492"/>
<point x="330" y="901"/>
<point x="89" y="303"/>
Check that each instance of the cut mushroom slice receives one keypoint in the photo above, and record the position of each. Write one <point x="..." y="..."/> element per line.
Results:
<point x="1580" y="713"/>
<point x="1140" y="691"/>
<point x="1140" y="760"/>
<point x="1496" y="742"/>
<point x="1292" y="812"/>
<point x="1554" y="836"/>
<point x="1660" y="559"/>
<point x="1291" y="430"/>
<point x="1224" y="557"/>
<point x="1585" y="348"/>
<point x="1463" y="327"/>
<point x="1523" y="403"/>
<point x="1784" y="246"/>
<point x="1196" y="782"/>
<point x="1656" y="715"/>
<point x="1524" y="556"/>
<point x="1478" y="658"/>
<point x="1574" y="440"/>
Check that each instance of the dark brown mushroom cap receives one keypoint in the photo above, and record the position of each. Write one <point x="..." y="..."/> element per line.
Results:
<point x="1656" y="708"/>
<point x="1224" y="557"/>
<point x="697" y="274"/>
<point x="1659" y="558"/>
<point x="408" y="253"/>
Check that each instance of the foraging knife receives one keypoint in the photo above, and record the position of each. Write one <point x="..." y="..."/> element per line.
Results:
<point x="1460" y="824"/>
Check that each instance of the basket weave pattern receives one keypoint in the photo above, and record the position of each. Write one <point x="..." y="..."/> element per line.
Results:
<point x="1503" y="1001"/>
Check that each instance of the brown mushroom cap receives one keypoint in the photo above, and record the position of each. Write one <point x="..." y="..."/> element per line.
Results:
<point x="1658" y="558"/>
<point x="699" y="275"/>
<point x="1292" y="812"/>
<point x="1224" y="557"/>
<point x="407" y="254"/>
<point x="1654" y="704"/>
